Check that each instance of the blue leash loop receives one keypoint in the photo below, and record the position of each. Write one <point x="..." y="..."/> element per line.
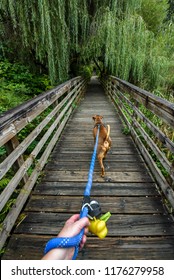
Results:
<point x="67" y="242"/>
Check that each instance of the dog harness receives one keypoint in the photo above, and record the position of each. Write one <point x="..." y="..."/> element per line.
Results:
<point x="89" y="208"/>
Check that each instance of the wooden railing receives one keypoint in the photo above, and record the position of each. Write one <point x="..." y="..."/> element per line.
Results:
<point x="150" y="121"/>
<point x="23" y="157"/>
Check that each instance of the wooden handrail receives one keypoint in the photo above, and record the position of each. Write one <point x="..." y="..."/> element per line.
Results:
<point x="157" y="148"/>
<point x="44" y="117"/>
<point x="159" y="106"/>
<point x="12" y="121"/>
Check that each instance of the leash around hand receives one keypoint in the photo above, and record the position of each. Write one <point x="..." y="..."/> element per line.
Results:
<point x="67" y="242"/>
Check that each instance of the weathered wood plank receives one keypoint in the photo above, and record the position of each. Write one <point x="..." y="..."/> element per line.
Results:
<point x="27" y="247"/>
<point x="122" y="150"/>
<point x="86" y="137"/>
<point x="98" y="189"/>
<point x="134" y="248"/>
<point x="83" y="142"/>
<point x="115" y="205"/>
<point x="84" y="166"/>
<point x="118" y="225"/>
<point x="65" y="157"/>
<point x="81" y="176"/>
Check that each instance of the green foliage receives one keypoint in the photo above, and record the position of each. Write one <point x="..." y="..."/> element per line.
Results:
<point x="18" y="74"/>
<point x="18" y="84"/>
<point x="126" y="130"/>
<point x="3" y="183"/>
<point x="6" y="209"/>
<point x="129" y="39"/>
<point x="2" y="151"/>
<point x="7" y="97"/>
<point x="121" y="40"/>
<point x="86" y="71"/>
<point x="154" y="13"/>
<point x="170" y="12"/>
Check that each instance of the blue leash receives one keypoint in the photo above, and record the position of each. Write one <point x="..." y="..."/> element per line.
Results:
<point x="67" y="242"/>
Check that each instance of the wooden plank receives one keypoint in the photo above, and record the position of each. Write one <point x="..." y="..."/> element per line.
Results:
<point x="118" y="225"/>
<point x="27" y="247"/>
<point x="81" y="176"/>
<point x="82" y="120"/>
<point x="87" y="139"/>
<point x="90" y="151"/>
<point x="84" y="166"/>
<point x="101" y="189"/>
<point x="113" y="204"/>
<point x="79" y="150"/>
<point x="88" y="142"/>
<point x="84" y="133"/>
<point x="84" y="141"/>
<point x="64" y="157"/>
<point x="132" y="248"/>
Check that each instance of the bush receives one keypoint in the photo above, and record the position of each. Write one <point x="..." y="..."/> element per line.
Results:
<point x="17" y="84"/>
<point x="86" y="71"/>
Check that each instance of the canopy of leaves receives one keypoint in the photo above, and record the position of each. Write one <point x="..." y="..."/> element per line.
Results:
<point x="128" y="39"/>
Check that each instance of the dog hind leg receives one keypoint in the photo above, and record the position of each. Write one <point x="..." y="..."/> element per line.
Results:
<point x="101" y="156"/>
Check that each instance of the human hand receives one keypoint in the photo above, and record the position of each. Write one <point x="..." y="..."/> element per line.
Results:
<point x="72" y="227"/>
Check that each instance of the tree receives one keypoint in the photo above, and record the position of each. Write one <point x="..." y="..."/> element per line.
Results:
<point x="170" y="14"/>
<point x="119" y="36"/>
<point x="154" y="13"/>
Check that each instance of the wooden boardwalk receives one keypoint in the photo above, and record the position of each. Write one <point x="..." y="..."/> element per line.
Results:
<point x="139" y="227"/>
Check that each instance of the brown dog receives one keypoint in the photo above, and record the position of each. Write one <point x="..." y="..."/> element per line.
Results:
<point x="104" y="141"/>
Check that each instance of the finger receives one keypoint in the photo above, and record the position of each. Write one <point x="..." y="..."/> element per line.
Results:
<point x="73" y="228"/>
<point x="83" y="223"/>
<point x="83" y="241"/>
<point x="86" y="230"/>
<point x="73" y="219"/>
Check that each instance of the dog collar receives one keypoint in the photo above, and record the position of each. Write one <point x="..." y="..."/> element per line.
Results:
<point x="101" y="124"/>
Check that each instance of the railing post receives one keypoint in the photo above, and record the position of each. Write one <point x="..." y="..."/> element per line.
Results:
<point x="134" y="115"/>
<point x="11" y="145"/>
<point x="109" y="86"/>
<point x="111" y="90"/>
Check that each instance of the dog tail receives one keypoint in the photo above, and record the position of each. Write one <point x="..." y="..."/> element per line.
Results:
<point x="108" y="133"/>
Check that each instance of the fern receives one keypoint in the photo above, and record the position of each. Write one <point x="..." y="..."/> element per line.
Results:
<point x="6" y="209"/>
<point x="3" y="183"/>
